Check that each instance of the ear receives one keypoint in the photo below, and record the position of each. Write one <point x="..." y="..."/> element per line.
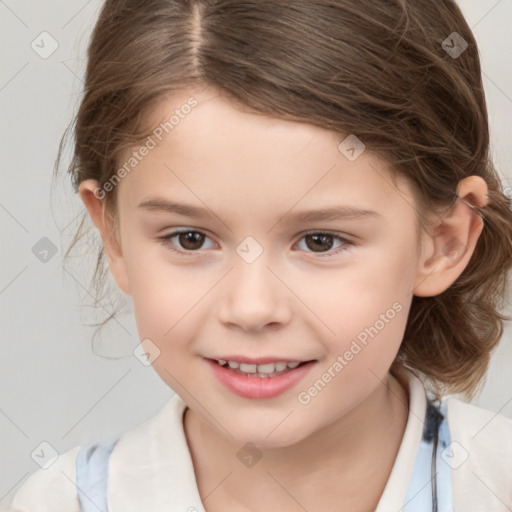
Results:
<point x="93" y="198"/>
<point x="450" y="248"/>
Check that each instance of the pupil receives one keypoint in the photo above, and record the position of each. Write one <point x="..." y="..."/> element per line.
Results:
<point x="191" y="240"/>
<point x="319" y="241"/>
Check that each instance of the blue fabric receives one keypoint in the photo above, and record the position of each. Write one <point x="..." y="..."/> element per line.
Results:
<point x="92" y="476"/>
<point x="419" y="496"/>
<point x="444" y="483"/>
<point x="93" y="461"/>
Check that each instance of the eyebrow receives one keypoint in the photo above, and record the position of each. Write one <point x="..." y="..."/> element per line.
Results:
<point x="324" y="214"/>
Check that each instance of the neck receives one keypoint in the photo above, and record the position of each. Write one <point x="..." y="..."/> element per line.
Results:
<point x="334" y="465"/>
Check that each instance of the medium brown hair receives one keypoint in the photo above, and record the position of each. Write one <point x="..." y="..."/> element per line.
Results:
<point x="375" y="68"/>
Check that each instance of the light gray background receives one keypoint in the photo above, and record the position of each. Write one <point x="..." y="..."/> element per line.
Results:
<point x="54" y="388"/>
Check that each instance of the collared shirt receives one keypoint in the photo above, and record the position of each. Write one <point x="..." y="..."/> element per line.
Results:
<point x="150" y="467"/>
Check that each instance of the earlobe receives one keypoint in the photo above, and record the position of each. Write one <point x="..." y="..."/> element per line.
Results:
<point x="454" y="241"/>
<point x="95" y="205"/>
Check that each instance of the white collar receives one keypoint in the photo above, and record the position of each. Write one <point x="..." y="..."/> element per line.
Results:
<point x="151" y="466"/>
<point x="393" y="497"/>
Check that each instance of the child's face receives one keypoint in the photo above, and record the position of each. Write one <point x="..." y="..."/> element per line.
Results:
<point x="302" y="298"/>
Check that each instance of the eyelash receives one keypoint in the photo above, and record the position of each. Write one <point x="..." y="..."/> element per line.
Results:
<point x="167" y="243"/>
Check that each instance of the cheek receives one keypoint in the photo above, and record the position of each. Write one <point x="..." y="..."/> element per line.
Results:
<point x="164" y="303"/>
<point x="163" y="293"/>
<point x="350" y="297"/>
<point x="369" y="329"/>
<point x="363" y="310"/>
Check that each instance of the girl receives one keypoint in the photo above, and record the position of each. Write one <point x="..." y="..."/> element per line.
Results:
<point x="299" y="199"/>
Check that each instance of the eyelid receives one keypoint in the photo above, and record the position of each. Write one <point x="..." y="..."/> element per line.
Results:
<point x="166" y="240"/>
<point x="344" y="236"/>
<point x="346" y="242"/>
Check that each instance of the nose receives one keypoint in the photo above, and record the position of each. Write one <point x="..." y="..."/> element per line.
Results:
<point x="254" y="297"/>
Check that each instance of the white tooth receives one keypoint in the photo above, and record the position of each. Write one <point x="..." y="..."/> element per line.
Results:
<point x="233" y="364"/>
<point x="280" y="367"/>
<point x="247" y="368"/>
<point x="266" y="368"/>
<point x="292" y="365"/>
<point x="221" y="361"/>
<point x="263" y="375"/>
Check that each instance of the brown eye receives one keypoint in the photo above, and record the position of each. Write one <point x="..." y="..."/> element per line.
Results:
<point x="319" y="242"/>
<point x="322" y="242"/>
<point x="187" y="241"/>
<point x="191" y="240"/>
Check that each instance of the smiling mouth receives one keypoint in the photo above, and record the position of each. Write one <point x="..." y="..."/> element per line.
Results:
<point x="260" y="370"/>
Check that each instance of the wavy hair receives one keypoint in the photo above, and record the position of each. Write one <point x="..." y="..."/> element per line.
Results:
<point x="380" y="69"/>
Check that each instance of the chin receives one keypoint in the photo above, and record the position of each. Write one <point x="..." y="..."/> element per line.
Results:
<point x="262" y="439"/>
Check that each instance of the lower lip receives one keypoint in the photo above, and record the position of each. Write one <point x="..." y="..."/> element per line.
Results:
<point x="259" y="387"/>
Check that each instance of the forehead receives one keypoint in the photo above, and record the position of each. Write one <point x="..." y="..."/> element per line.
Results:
<point x="206" y="148"/>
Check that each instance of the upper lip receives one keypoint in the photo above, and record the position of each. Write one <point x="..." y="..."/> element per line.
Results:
<point x="260" y="360"/>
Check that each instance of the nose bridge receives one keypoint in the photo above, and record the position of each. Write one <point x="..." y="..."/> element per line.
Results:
<point x="253" y="296"/>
